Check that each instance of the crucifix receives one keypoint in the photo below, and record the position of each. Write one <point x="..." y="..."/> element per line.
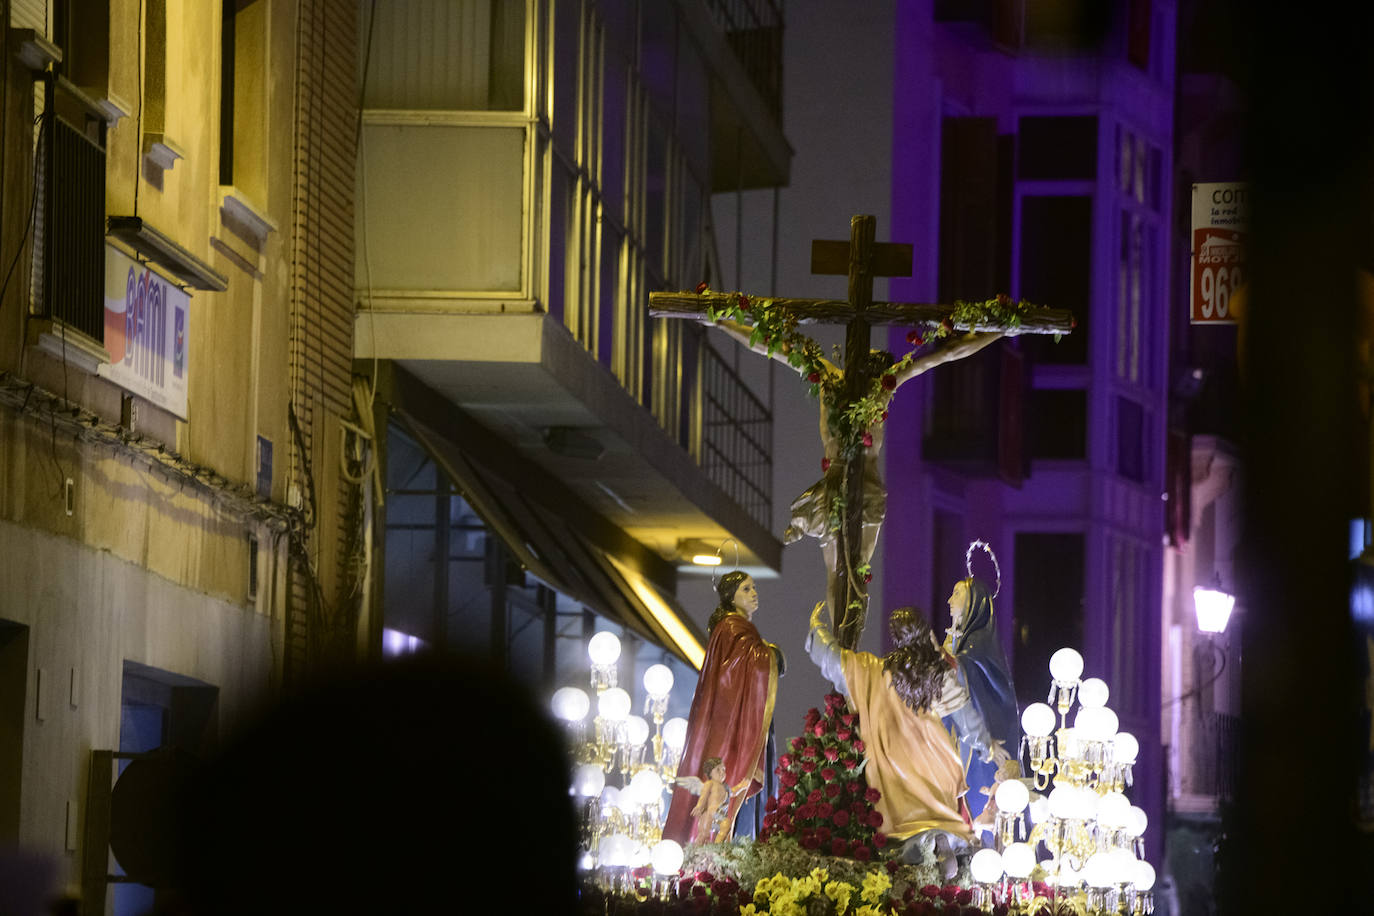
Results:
<point x="845" y="509"/>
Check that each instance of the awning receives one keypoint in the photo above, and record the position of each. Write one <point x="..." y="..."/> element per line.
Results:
<point x="559" y="547"/>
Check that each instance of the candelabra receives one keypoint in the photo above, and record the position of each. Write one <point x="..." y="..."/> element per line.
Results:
<point x="1079" y="808"/>
<point x="620" y="773"/>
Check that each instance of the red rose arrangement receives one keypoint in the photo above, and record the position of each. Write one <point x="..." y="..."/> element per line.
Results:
<point x="824" y="801"/>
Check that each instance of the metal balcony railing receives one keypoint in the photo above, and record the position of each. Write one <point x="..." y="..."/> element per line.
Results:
<point x="736" y="438"/>
<point x="73" y="255"/>
<point x="754" y="30"/>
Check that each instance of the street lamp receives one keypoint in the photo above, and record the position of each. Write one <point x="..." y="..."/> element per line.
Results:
<point x="1213" y="608"/>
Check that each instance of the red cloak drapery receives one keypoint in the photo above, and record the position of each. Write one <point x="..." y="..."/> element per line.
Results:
<point x="731" y="709"/>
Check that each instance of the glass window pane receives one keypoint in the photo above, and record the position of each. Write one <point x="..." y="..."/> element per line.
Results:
<point x="448" y="55"/>
<point x="1057" y="148"/>
<point x="613" y="138"/>
<point x="1056" y="250"/>
<point x="442" y="207"/>
<point x="1060" y="427"/>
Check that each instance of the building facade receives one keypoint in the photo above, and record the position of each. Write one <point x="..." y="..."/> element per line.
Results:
<point x="176" y="500"/>
<point x="564" y="453"/>
<point x="1033" y="156"/>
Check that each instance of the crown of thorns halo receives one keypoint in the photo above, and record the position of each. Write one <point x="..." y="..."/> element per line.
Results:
<point x="720" y="552"/>
<point x="987" y="548"/>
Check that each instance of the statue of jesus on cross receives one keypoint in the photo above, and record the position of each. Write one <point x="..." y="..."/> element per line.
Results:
<point x="845" y="509"/>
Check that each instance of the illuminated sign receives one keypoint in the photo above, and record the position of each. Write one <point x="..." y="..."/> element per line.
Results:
<point x="145" y="332"/>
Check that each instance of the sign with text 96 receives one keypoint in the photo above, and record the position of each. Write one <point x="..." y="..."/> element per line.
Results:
<point x="1218" y="251"/>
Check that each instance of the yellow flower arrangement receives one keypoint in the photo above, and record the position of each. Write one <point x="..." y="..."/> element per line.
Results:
<point x="876" y="885"/>
<point x="840" y="892"/>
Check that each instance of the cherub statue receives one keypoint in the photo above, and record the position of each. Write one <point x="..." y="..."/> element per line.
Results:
<point x="714" y="803"/>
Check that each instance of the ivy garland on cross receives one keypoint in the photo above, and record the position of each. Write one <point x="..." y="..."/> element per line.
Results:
<point x="850" y="419"/>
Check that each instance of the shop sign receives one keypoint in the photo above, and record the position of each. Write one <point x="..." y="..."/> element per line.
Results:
<point x="145" y="332"/>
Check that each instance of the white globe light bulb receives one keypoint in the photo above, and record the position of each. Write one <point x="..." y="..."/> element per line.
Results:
<point x="640" y="856"/>
<point x="615" y="850"/>
<point x="1038" y="720"/>
<point x="1088" y="723"/>
<point x="613" y="705"/>
<point x="586" y="861"/>
<point x="1019" y="860"/>
<point x="610" y="798"/>
<point x="1066" y="665"/>
<point x="1121" y="868"/>
<point x="1086" y="802"/>
<point x="986" y="866"/>
<point x="1040" y="809"/>
<point x="658" y="681"/>
<point x="1068" y="876"/>
<point x="570" y="704"/>
<point x="1062" y="800"/>
<point x="1114" y="810"/>
<point x="1126" y="749"/>
<point x="588" y="780"/>
<point x="646" y="787"/>
<point x="675" y="733"/>
<point x="604" y="648"/>
<point x="1012" y="796"/>
<point x="666" y="857"/>
<point x="1093" y="692"/>
<point x="1144" y="878"/>
<point x="1097" y="871"/>
<point x="1110" y="724"/>
<point x="1139" y="820"/>
<point x="636" y="730"/>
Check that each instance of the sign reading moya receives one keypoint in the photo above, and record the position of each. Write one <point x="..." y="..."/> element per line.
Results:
<point x="1220" y="215"/>
<point x="145" y="332"/>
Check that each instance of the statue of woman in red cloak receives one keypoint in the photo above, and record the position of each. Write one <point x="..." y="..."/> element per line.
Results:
<point x="731" y="709"/>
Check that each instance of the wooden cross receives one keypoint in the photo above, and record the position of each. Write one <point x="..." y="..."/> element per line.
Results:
<point x="861" y="259"/>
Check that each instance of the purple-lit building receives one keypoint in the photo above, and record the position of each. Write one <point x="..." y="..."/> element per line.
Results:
<point x="1032" y="154"/>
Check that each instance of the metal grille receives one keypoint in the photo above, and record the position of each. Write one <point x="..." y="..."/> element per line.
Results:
<point x="74" y="229"/>
<point x="754" y="30"/>
<point x="737" y="438"/>
<point x="1225" y="734"/>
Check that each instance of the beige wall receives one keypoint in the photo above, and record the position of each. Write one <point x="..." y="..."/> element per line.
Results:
<point x="146" y="569"/>
<point x="88" y="611"/>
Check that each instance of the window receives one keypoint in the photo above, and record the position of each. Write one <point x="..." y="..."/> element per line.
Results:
<point x="973" y="199"/>
<point x="160" y="709"/>
<point x="155" y="70"/>
<point x="1130" y="440"/>
<point x="1138" y="35"/>
<point x="14" y="667"/>
<point x="1048" y="608"/>
<point x="1056" y="251"/>
<point x="71" y="264"/>
<point x="1058" y="424"/>
<point x="1057" y="148"/>
<point x="243" y="115"/>
<point x="1129" y="663"/>
<point x="444" y="55"/>
<point x="81" y="28"/>
<point x="1131" y="293"/>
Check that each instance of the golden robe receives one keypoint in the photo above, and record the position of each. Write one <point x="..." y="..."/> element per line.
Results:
<point x="912" y="758"/>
